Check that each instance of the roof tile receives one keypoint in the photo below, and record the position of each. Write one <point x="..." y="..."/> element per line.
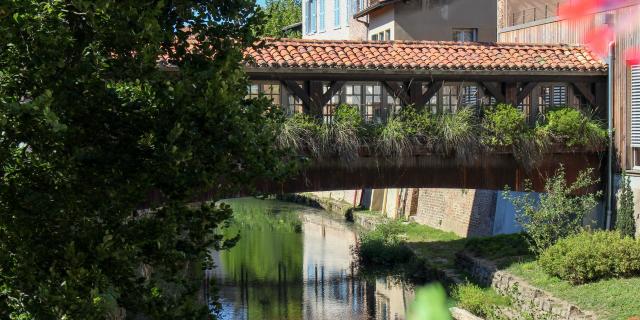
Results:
<point x="424" y="55"/>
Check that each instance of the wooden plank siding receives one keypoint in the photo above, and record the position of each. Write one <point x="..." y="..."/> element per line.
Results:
<point x="563" y="31"/>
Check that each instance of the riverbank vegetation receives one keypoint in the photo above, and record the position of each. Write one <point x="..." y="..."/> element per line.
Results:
<point x="463" y="134"/>
<point x="595" y="270"/>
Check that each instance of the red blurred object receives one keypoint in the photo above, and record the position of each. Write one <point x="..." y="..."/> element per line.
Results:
<point x="598" y="40"/>
<point x="576" y="9"/>
<point x="632" y="56"/>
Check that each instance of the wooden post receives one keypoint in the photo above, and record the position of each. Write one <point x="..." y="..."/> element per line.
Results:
<point x="511" y="93"/>
<point x="315" y="93"/>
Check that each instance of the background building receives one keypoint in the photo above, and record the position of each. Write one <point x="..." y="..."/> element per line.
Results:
<point x="536" y="21"/>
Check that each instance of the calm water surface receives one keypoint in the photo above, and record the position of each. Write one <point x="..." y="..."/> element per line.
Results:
<point x="293" y="262"/>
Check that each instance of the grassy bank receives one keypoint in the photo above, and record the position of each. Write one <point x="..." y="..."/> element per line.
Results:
<point x="611" y="299"/>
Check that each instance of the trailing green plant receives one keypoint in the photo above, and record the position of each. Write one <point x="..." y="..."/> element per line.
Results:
<point x="394" y="138"/>
<point x="573" y="127"/>
<point x="560" y="210"/>
<point x="301" y="133"/>
<point x="383" y="246"/>
<point x="625" y="219"/>
<point x="347" y="131"/>
<point x="483" y="302"/>
<point x="591" y="256"/>
<point x="458" y="133"/>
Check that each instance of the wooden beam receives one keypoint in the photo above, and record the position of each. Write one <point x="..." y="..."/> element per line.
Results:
<point x="601" y="100"/>
<point x="398" y="91"/>
<point x="299" y="92"/>
<point x="334" y="87"/>
<point x="415" y="93"/>
<point x="525" y="90"/>
<point x="585" y="90"/>
<point x="495" y="90"/>
<point x="315" y="93"/>
<point x="511" y="93"/>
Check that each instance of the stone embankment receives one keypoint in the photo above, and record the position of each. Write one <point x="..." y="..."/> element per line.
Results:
<point x="528" y="299"/>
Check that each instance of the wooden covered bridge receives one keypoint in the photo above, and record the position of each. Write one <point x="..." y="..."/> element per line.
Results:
<point x="315" y="76"/>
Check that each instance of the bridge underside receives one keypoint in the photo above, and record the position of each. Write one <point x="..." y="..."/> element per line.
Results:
<point x="489" y="171"/>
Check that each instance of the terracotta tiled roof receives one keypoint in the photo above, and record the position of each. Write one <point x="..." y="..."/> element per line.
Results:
<point x="421" y="55"/>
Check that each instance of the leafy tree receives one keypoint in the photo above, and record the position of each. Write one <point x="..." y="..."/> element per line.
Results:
<point x="626" y="222"/>
<point x="91" y="127"/>
<point x="282" y="13"/>
<point x="558" y="212"/>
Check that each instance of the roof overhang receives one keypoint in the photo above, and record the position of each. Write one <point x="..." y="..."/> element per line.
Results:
<point x="363" y="74"/>
<point x="374" y="7"/>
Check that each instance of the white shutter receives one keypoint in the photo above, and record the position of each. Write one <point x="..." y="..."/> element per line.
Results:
<point x="635" y="106"/>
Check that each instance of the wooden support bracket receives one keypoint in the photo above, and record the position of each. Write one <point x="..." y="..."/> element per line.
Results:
<point x="495" y="90"/>
<point x="524" y="91"/>
<point x="585" y="90"/>
<point x="299" y="92"/>
<point x="398" y="91"/>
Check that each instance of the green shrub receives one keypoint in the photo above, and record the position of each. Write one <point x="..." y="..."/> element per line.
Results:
<point x="503" y="125"/>
<point x="419" y="124"/>
<point x="481" y="302"/>
<point x="559" y="212"/>
<point x="574" y="128"/>
<point x="625" y="222"/>
<point x="383" y="246"/>
<point x="591" y="256"/>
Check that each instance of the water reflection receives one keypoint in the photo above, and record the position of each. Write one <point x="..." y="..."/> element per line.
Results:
<point x="296" y="263"/>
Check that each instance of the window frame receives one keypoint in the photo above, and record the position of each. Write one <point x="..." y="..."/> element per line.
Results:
<point x="473" y="31"/>
<point x="336" y="14"/>
<point x="322" y="23"/>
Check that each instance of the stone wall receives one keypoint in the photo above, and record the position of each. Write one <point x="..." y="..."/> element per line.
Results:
<point x="466" y="212"/>
<point x="528" y="299"/>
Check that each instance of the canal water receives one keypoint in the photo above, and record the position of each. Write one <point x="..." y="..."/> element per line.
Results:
<point x="295" y="262"/>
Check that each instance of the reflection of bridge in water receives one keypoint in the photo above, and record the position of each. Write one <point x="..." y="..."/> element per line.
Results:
<point x="326" y="286"/>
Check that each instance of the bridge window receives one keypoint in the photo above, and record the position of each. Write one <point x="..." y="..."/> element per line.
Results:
<point x="552" y="96"/>
<point x="469" y="97"/>
<point x="449" y="98"/>
<point x="253" y="91"/>
<point x="353" y="94"/>
<point x="269" y="89"/>
<point x="372" y="110"/>
<point x="329" y="109"/>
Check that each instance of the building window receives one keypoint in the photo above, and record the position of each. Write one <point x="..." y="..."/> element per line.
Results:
<point x="352" y="94"/>
<point x="635" y="115"/>
<point x="387" y="34"/>
<point x="465" y="35"/>
<point x="374" y="37"/>
<point x="336" y="13"/>
<point x="321" y="16"/>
